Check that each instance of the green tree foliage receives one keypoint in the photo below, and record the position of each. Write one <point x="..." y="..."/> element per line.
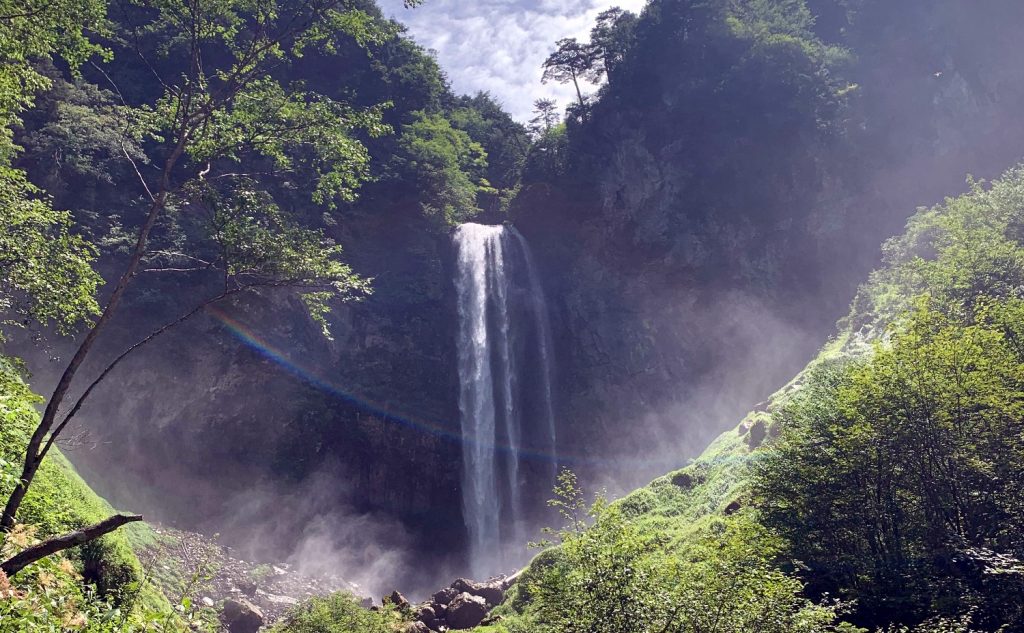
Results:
<point x="612" y="36"/>
<point x="898" y="480"/>
<point x="45" y="268"/>
<point x="701" y="93"/>
<point x="504" y="140"/>
<point x="572" y="62"/>
<point x="545" y="116"/>
<point x="46" y="271"/>
<point x="217" y="117"/>
<point x="615" y="576"/>
<point x="76" y="139"/>
<point x="34" y="30"/>
<point x="450" y="166"/>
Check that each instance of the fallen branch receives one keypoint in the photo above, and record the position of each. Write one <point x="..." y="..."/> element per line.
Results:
<point x="56" y="544"/>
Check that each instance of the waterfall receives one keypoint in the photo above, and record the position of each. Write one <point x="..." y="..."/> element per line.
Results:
<point x="505" y="392"/>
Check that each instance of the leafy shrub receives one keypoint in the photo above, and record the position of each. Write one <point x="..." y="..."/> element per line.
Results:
<point x="616" y="577"/>
<point x="49" y="596"/>
<point x="898" y="479"/>
<point x="337" y="613"/>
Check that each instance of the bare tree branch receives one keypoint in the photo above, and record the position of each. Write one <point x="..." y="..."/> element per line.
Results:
<point x="56" y="544"/>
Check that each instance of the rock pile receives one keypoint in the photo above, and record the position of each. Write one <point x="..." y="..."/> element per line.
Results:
<point x="241" y="616"/>
<point x="462" y="605"/>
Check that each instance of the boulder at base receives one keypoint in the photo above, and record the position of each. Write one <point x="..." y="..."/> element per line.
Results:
<point x="427" y="615"/>
<point x="445" y="596"/>
<point x="396" y="599"/>
<point x="466" y="611"/>
<point x="491" y="591"/>
<point x="241" y="616"/>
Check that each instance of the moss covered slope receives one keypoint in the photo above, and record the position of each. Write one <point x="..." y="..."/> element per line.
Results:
<point x="60" y="501"/>
<point x="967" y="246"/>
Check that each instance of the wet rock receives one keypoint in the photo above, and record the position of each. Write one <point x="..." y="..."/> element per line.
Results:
<point x="733" y="507"/>
<point x="281" y="601"/>
<point x="490" y="591"/>
<point x="241" y="616"/>
<point x="428" y="616"/>
<point x="682" y="480"/>
<point x="247" y="587"/>
<point x="466" y="611"/>
<point x="446" y="595"/>
<point x="415" y="627"/>
<point x="757" y="434"/>
<point x="397" y="599"/>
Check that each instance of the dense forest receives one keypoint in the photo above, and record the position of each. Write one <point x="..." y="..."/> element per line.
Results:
<point x="238" y="296"/>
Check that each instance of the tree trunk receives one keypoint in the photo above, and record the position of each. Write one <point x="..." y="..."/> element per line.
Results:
<point x="33" y="453"/>
<point x="576" y="84"/>
<point x="56" y="544"/>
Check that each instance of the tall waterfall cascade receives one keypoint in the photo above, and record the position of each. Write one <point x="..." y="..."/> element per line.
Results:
<point x="505" y="391"/>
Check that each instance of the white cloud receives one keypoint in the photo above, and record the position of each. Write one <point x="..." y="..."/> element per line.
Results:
<point x="498" y="46"/>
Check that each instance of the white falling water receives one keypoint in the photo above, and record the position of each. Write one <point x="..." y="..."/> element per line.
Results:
<point x="498" y="288"/>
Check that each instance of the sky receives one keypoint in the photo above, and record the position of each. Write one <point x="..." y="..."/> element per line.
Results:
<point x="498" y="46"/>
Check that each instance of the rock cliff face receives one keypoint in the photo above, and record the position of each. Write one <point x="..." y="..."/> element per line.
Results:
<point x="694" y="255"/>
<point x="693" y="260"/>
<point x="248" y="423"/>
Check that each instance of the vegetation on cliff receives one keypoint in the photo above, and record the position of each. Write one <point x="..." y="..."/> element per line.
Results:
<point x="886" y="477"/>
<point x="726" y="190"/>
<point x="197" y="115"/>
<point x="210" y="150"/>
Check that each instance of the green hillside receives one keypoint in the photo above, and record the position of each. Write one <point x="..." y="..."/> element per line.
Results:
<point x="948" y="299"/>
<point x="59" y="502"/>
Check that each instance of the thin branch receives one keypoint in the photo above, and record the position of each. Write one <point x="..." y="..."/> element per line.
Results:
<point x="27" y="14"/>
<point x="275" y="172"/>
<point x="124" y="134"/>
<point x="177" y="255"/>
<point x="114" y="363"/>
<point x="175" y="270"/>
<point x="110" y="81"/>
<point x="137" y="172"/>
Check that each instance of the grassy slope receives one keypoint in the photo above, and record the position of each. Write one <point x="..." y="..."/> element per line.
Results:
<point x="60" y="501"/>
<point x="677" y="503"/>
<point x="978" y="235"/>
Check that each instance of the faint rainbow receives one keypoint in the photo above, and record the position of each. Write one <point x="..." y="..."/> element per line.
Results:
<point x="386" y="411"/>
